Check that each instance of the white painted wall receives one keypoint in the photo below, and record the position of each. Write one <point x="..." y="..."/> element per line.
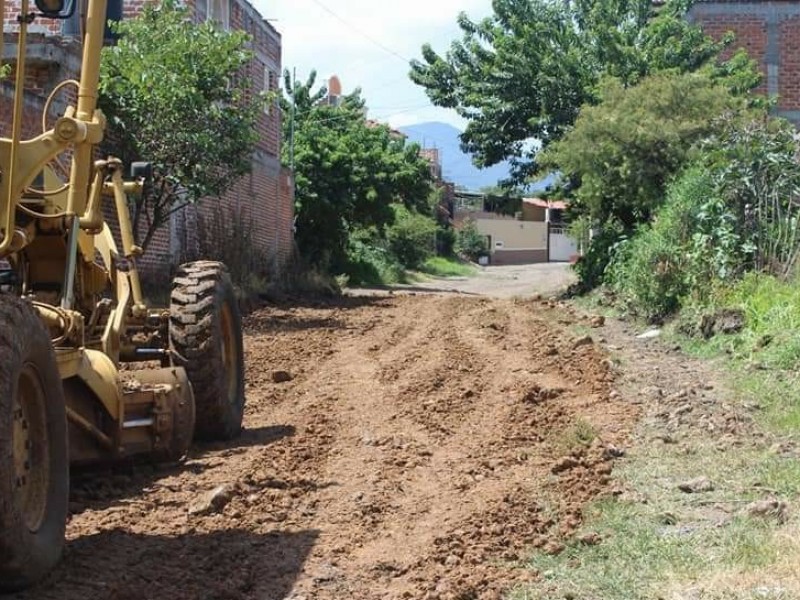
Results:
<point x="562" y="247"/>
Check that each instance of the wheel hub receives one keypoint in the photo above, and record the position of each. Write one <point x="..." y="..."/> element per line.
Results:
<point x="30" y="448"/>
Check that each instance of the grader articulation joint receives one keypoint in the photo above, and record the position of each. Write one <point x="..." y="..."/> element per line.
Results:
<point x="77" y="339"/>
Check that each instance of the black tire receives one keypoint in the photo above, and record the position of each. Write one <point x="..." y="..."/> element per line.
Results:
<point x="34" y="465"/>
<point x="206" y="340"/>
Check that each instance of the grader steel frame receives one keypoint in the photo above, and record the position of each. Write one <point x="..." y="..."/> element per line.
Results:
<point x="77" y="340"/>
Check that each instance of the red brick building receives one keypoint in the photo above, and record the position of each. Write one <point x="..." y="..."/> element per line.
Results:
<point x="261" y="201"/>
<point x="770" y="32"/>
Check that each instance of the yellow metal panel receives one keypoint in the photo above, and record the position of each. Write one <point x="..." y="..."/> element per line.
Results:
<point x="99" y="374"/>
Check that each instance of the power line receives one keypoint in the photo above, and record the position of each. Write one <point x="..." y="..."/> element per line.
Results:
<point x="350" y="116"/>
<point x="361" y="32"/>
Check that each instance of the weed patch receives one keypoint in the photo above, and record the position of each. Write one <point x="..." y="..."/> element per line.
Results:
<point x="440" y="266"/>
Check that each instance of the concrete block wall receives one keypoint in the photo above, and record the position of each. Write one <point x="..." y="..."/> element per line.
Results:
<point x="770" y="32"/>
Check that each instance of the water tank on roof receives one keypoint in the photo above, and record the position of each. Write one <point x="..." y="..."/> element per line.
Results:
<point x="72" y="27"/>
<point x="334" y="91"/>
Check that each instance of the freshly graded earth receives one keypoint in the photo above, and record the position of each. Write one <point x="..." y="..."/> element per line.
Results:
<point x="414" y="445"/>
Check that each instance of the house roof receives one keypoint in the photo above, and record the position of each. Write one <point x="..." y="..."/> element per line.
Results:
<point x="556" y="204"/>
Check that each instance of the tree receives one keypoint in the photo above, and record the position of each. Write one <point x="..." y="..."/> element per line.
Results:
<point x="523" y="73"/>
<point x="348" y="172"/>
<point x="626" y="149"/>
<point x="174" y="95"/>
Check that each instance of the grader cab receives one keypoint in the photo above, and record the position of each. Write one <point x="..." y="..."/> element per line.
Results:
<point x="88" y="371"/>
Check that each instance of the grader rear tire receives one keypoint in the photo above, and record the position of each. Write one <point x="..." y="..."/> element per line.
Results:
<point x="34" y="467"/>
<point x="206" y="339"/>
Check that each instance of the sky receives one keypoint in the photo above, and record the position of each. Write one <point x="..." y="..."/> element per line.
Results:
<point x="369" y="45"/>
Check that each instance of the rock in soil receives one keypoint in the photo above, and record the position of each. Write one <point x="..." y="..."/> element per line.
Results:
<point x="697" y="485"/>
<point x="214" y="501"/>
<point x="769" y="509"/>
<point x="597" y="321"/>
<point x="590" y="538"/>
<point x="281" y="376"/>
<point x="726" y="321"/>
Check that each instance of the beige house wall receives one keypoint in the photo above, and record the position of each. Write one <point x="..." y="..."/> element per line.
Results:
<point x="510" y="234"/>
<point x="531" y="212"/>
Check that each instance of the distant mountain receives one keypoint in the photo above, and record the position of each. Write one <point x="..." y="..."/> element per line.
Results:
<point x="457" y="165"/>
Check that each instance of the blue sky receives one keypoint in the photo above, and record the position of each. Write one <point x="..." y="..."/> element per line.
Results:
<point x="367" y="45"/>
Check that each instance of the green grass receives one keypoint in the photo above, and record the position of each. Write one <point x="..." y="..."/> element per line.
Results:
<point x="440" y="266"/>
<point x="772" y="316"/>
<point x="576" y="437"/>
<point x="665" y="543"/>
<point x="659" y="543"/>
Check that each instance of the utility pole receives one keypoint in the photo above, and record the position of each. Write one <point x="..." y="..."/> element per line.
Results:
<point x="291" y="123"/>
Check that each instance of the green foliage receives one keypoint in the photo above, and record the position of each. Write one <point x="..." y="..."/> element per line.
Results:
<point x="525" y="72"/>
<point x="470" y="242"/>
<point x="627" y="148"/>
<point x="348" y="174"/>
<point x="440" y="266"/>
<point x="651" y="272"/>
<point x="446" y="240"/>
<point x="758" y="179"/>
<point x="369" y="260"/>
<point x="174" y="96"/>
<point x="579" y="229"/>
<point x="736" y="211"/>
<point x="411" y="238"/>
<point x="591" y="267"/>
<point x="771" y="307"/>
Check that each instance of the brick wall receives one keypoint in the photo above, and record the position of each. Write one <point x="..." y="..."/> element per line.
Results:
<point x="262" y="198"/>
<point x="769" y="32"/>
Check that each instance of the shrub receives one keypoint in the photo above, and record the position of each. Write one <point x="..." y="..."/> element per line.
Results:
<point x="626" y="150"/>
<point x="654" y="270"/>
<point x="369" y="261"/>
<point x="757" y="176"/>
<point x="591" y="267"/>
<point x="445" y="241"/>
<point x="470" y="242"/>
<point x="411" y="238"/>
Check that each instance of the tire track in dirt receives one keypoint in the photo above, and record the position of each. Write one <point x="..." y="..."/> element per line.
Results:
<point x="410" y="456"/>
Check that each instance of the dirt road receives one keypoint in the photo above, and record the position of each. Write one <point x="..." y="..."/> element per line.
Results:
<point x="422" y="445"/>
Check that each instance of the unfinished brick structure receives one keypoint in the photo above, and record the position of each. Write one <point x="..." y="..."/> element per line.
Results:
<point x="261" y="201"/>
<point x="769" y="32"/>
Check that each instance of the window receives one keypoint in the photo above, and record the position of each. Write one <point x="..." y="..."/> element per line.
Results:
<point x="270" y="85"/>
<point x="219" y="11"/>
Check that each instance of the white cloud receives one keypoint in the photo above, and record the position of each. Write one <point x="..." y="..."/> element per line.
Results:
<point x="362" y="42"/>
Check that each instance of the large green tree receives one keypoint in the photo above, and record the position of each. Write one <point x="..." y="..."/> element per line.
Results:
<point x="175" y="96"/>
<point x="523" y="73"/>
<point x="348" y="171"/>
<point x="625" y="150"/>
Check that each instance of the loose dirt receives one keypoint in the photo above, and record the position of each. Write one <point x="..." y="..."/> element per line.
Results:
<point x="420" y="447"/>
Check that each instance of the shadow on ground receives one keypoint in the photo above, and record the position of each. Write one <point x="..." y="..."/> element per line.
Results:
<point x="100" y="487"/>
<point x="223" y="565"/>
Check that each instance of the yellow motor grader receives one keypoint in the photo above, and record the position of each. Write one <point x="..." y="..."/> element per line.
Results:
<point x="89" y="372"/>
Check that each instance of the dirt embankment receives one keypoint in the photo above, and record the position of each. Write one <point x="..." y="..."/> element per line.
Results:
<point x="417" y="451"/>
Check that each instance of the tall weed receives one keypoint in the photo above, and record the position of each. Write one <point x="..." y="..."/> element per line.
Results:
<point x="652" y="271"/>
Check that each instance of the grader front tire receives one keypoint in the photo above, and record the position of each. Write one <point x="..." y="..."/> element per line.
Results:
<point x="206" y="338"/>
<point x="34" y="468"/>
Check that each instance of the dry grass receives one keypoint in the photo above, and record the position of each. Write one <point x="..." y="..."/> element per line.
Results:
<point x="780" y="580"/>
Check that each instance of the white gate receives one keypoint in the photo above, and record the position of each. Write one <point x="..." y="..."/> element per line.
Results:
<point x="562" y="247"/>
